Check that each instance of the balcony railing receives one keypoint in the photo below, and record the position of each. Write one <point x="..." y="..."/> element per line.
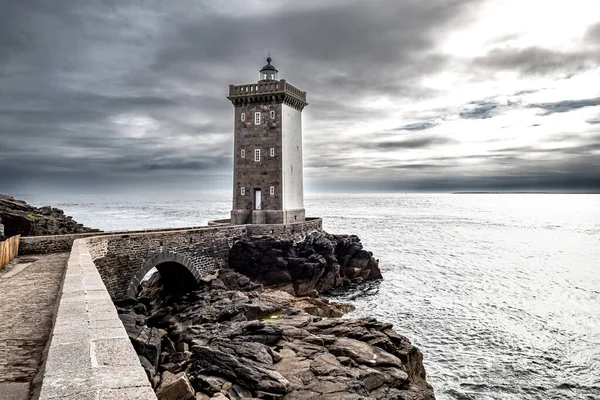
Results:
<point x="269" y="87"/>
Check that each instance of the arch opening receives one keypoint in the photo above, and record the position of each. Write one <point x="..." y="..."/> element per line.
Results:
<point x="176" y="278"/>
<point x="177" y="273"/>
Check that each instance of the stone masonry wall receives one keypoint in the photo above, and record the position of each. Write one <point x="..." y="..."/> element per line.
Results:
<point x="296" y="231"/>
<point x="62" y="243"/>
<point x="262" y="174"/>
<point x="50" y="244"/>
<point x="119" y="257"/>
<point x="90" y="354"/>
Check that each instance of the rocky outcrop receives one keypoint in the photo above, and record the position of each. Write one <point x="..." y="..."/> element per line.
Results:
<point x="19" y="218"/>
<point x="235" y="339"/>
<point x="318" y="264"/>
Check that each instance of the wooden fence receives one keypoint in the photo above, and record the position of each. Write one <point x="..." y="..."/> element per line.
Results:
<point x="9" y="250"/>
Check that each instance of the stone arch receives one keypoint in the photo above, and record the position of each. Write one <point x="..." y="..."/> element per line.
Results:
<point x="178" y="263"/>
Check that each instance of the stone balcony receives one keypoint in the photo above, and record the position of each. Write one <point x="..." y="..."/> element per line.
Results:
<point x="267" y="92"/>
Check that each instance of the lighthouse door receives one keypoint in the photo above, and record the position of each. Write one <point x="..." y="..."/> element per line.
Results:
<point x="257" y="199"/>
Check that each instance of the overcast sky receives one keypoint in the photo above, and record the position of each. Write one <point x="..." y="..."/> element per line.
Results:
<point x="100" y="96"/>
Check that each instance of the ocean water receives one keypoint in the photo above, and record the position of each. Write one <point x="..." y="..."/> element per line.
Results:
<point x="500" y="291"/>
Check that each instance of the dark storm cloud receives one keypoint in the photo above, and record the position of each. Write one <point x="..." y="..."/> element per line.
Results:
<point x="414" y="143"/>
<point x="566" y="105"/>
<point x="110" y="89"/>
<point x="479" y="110"/>
<point x="418" y="166"/>
<point x="538" y="60"/>
<point x="208" y="163"/>
<point x="417" y="126"/>
<point x="133" y="93"/>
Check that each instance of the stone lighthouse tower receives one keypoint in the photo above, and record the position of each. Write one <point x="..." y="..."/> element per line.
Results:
<point x="267" y="166"/>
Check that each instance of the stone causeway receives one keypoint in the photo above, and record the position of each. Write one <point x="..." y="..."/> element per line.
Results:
<point x="90" y="355"/>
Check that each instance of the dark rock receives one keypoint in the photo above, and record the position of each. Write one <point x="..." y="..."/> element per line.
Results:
<point x="148" y="367"/>
<point x="316" y="265"/>
<point x="248" y="341"/>
<point x="146" y="342"/>
<point x="175" y="387"/>
<point x="19" y="218"/>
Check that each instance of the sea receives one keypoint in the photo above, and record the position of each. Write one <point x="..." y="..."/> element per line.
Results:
<point x="501" y="292"/>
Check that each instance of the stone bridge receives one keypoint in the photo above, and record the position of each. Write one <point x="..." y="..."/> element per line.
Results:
<point x="90" y="354"/>
<point x="180" y="255"/>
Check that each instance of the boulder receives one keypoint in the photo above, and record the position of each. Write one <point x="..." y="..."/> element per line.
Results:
<point x="175" y="387"/>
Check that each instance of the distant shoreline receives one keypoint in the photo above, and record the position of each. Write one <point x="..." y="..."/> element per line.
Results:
<point x="525" y="192"/>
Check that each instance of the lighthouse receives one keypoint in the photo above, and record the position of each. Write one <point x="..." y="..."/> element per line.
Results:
<point x="267" y="159"/>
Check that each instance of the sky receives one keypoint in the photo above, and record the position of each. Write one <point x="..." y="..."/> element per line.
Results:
<point x="404" y="95"/>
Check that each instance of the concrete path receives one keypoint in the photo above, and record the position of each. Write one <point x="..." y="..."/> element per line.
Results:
<point x="28" y="293"/>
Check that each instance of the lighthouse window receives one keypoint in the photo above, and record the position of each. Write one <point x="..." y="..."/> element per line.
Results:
<point x="257" y="155"/>
<point x="243" y="116"/>
<point x="243" y="154"/>
<point x="272" y="114"/>
<point x="256" y="118"/>
<point x="272" y="190"/>
<point x="243" y="191"/>
<point x="272" y="152"/>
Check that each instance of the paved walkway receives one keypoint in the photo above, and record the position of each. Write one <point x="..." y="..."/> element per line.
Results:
<point x="27" y="304"/>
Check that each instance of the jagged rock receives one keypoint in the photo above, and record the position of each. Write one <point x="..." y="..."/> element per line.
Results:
<point x="19" y="218"/>
<point x="249" y="342"/>
<point x="318" y="264"/>
<point x="148" y="367"/>
<point x="146" y="341"/>
<point x="175" y="387"/>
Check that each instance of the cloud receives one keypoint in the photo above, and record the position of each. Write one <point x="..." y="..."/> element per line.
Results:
<point x="566" y="105"/>
<point x="537" y="60"/>
<point x="417" y="126"/>
<point x="415" y="143"/>
<point x="479" y="110"/>
<point x="206" y="163"/>
<point x="593" y="33"/>
<point x="128" y="94"/>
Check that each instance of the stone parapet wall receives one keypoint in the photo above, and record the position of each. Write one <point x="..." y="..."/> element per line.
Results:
<point x="63" y="243"/>
<point x="119" y="258"/>
<point x="219" y="222"/>
<point x="49" y="244"/>
<point x="296" y="231"/>
<point x="122" y="257"/>
<point x="90" y="354"/>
